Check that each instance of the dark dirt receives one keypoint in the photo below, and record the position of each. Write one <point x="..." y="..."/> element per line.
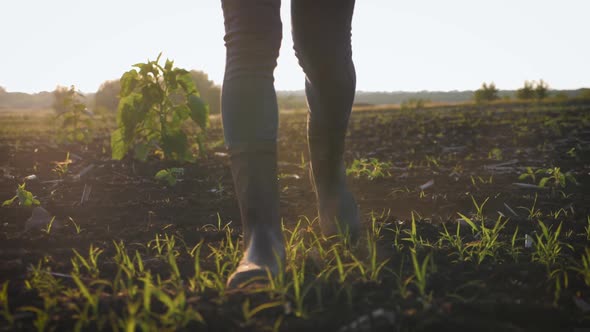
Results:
<point x="459" y="149"/>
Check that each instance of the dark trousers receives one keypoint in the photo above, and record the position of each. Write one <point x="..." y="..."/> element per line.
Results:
<point x="321" y="33"/>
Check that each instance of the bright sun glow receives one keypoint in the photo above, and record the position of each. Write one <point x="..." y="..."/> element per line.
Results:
<point x="398" y="45"/>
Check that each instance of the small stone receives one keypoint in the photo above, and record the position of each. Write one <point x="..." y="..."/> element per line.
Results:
<point x="40" y="218"/>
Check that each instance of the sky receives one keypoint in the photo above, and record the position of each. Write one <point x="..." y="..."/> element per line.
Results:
<point x="397" y="45"/>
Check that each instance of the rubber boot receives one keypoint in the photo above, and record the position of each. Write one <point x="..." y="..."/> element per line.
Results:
<point x="337" y="209"/>
<point x="255" y="180"/>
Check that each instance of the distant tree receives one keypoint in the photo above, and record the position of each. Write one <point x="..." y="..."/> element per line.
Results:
<point x="584" y="93"/>
<point x="541" y="90"/>
<point x="2" y="90"/>
<point x="107" y="95"/>
<point x="209" y="91"/>
<point x="527" y="92"/>
<point x="486" y="93"/>
<point x="561" y="96"/>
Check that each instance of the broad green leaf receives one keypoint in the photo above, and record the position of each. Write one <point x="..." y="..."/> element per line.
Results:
<point x="153" y="93"/>
<point x="474" y="227"/>
<point x="164" y="175"/>
<point x="161" y="174"/>
<point x="130" y="114"/>
<point x="180" y="114"/>
<point x="128" y="81"/>
<point x="146" y="68"/>
<point x="562" y="181"/>
<point x="543" y="182"/>
<point x="25" y="197"/>
<point x="169" y="64"/>
<point x="171" y="81"/>
<point x="174" y="144"/>
<point x="141" y="151"/>
<point x="9" y="202"/>
<point x="177" y="171"/>
<point x="118" y="146"/>
<point x="185" y="80"/>
<point x="199" y="111"/>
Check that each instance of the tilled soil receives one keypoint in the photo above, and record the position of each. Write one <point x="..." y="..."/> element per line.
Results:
<point x="441" y="159"/>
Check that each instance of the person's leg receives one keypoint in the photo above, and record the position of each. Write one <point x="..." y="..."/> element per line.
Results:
<point x="322" y="42"/>
<point x="250" y="121"/>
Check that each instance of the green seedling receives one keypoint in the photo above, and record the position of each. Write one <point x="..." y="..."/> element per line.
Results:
<point x="488" y="242"/>
<point x="420" y="276"/>
<point x="178" y="312"/>
<point x="370" y="168"/>
<point x="169" y="176"/>
<point x="303" y="165"/>
<point x="432" y="161"/>
<point x="42" y="317"/>
<point x="476" y="180"/>
<point x="61" y="167"/>
<point x="25" y="197"/>
<point x="92" y="299"/>
<point x="90" y="263"/>
<point x="479" y="208"/>
<point x="76" y="125"/>
<point x="560" y="277"/>
<point x="76" y="225"/>
<point x="4" y="307"/>
<point x="47" y="229"/>
<point x="530" y="173"/>
<point x="300" y="290"/>
<point x="401" y="282"/>
<point x="550" y="177"/>
<point x="583" y="268"/>
<point x="456" y="242"/>
<point x="412" y="233"/>
<point x="41" y="280"/>
<point x="533" y="212"/>
<point x="548" y="246"/>
<point x="154" y="111"/>
<point x="249" y="313"/>
<point x="495" y="154"/>
<point x="374" y="267"/>
<point x="514" y="249"/>
<point x="556" y="178"/>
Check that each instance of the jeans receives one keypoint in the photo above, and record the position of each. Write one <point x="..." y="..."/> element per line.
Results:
<point x="322" y="41"/>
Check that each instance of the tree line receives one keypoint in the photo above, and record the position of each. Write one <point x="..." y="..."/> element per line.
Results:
<point x="107" y="98"/>
<point x="531" y="90"/>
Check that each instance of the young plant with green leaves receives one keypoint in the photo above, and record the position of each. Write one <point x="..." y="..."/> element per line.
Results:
<point x="156" y="105"/>
<point x="62" y="167"/>
<point x="169" y="176"/>
<point x="420" y="276"/>
<point x="548" y="246"/>
<point x="550" y="177"/>
<point x="555" y="178"/>
<point x="76" y="121"/>
<point x="370" y="168"/>
<point x="24" y="197"/>
<point x="4" y="307"/>
<point x="455" y="241"/>
<point x="583" y="268"/>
